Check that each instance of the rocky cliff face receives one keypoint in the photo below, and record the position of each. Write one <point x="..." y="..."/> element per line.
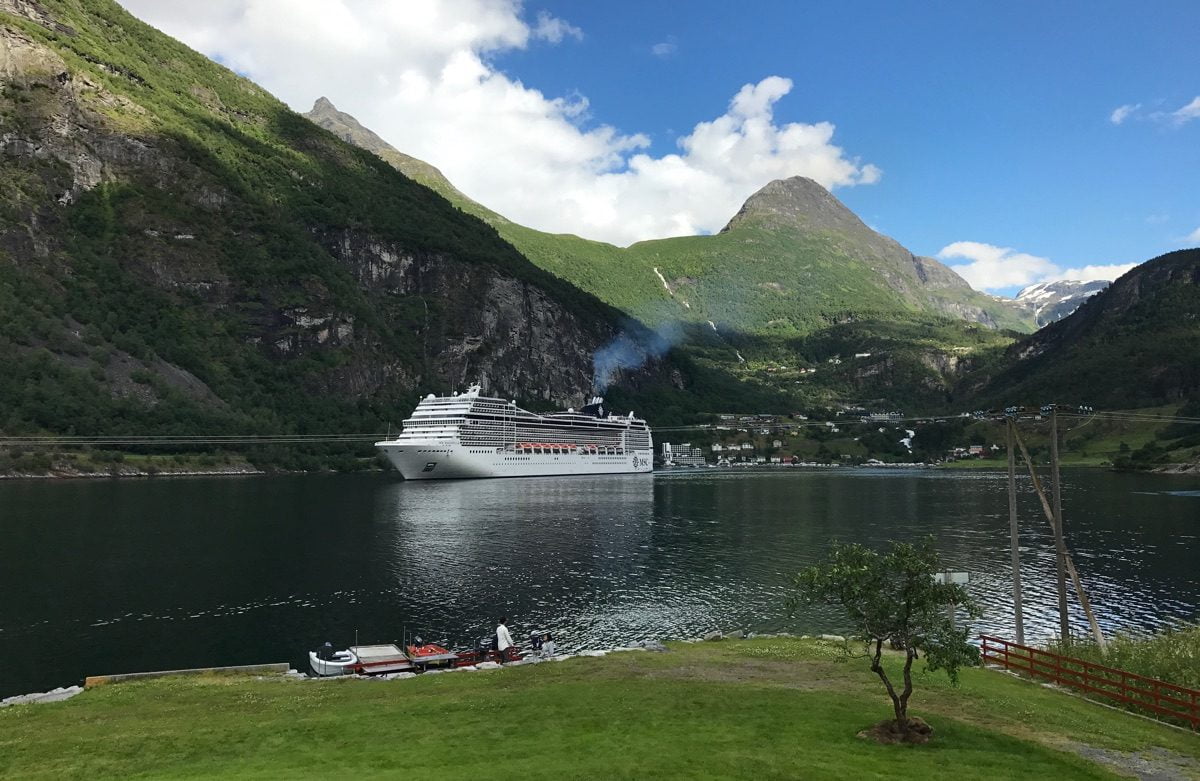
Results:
<point x="511" y="336"/>
<point x="173" y="237"/>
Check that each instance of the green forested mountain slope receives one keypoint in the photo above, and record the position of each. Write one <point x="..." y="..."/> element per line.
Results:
<point x="1134" y="344"/>
<point x="179" y="252"/>
<point x="795" y="258"/>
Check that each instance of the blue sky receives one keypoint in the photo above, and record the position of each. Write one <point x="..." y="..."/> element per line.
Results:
<point x="992" y="125"/>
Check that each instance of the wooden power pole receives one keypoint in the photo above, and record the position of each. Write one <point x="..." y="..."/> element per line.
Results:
<point x="1060" y="544"/>
<point x="1018" y="618"/>
<point x="1066" y="557"/>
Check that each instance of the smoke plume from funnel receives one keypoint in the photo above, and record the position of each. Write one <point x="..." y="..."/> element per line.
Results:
<point x="630" y="350"/>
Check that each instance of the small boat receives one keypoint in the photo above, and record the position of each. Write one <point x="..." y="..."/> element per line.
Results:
<point x="425" y="654"/>
<point x="326" y="662"/>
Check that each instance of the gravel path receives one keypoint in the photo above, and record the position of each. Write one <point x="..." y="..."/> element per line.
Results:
<point x="1154" y="764"/>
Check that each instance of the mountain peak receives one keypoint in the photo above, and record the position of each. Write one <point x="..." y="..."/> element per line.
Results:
<point x="795" y="202"/>
<point x="349" y="129"/>
<point x="346" y="127"/>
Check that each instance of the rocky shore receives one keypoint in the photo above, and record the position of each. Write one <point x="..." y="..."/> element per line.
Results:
<point x="118" y="471"/>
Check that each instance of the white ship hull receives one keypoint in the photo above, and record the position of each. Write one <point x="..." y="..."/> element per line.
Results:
<point x="456" y="462"/>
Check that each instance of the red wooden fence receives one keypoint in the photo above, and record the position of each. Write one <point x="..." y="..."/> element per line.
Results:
<point x="1151" y="694"/>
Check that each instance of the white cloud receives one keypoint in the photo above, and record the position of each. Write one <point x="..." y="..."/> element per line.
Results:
<point x="1193" y="236"/>
<point x="989" y="267"/>
<point x="1121" y="113"/>
<point x="1187" y="113"/>
<point x="665" y="48"/>
<point x="420" y="73"/>
<point x="552" y="29"/>
<point x="1180" y="116"/>
<point x="1092" y="273"/>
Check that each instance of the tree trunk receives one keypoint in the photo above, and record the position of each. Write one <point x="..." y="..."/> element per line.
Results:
<point x="902" y="701"/>
<point x="877" y="668"/>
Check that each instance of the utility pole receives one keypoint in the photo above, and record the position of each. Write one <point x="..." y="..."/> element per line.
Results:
<point x="1060" y="545"/>
<point x="1018" y="618"/>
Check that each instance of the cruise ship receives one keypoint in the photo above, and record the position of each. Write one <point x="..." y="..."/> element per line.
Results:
<point x="467" y="435"/>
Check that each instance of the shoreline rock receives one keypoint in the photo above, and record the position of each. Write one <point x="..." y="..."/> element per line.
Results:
<point x="54" y="695"/>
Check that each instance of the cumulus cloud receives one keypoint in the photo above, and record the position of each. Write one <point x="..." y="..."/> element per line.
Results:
<point x="989" y="268"/>
<point x="1121" y="113"/>
<point x="1193" y="236"/>
<point x="422" y="74"/>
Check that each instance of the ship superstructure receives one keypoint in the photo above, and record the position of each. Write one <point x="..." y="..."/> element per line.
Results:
<point x="469" y="435"/>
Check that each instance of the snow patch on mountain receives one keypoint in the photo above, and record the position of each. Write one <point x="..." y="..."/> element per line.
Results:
<point x="1051" y="301"/>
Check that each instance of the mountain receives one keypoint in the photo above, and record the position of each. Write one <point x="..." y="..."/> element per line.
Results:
<point x="181" y="253"/>
<point x="794" y="280"/>
<point x="1134" y="344"/>
<point x="1051" y="301"/>
<point x="794" y="258"/>
<point x="792" y="249"/>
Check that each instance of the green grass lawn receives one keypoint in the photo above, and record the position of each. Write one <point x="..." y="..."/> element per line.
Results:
<point x="762" y="708"/>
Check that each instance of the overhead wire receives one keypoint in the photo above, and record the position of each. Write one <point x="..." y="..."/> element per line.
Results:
<point x="774" y="425"/>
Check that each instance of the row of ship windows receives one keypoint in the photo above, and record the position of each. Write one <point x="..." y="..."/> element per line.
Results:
<point x="526" y="458"/>
<point x="604" y="451"/>
<point x="523" y="430"/>
<point x="510" y="443"/>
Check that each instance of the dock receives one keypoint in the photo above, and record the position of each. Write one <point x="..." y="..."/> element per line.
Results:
<point x="381" y="659"/>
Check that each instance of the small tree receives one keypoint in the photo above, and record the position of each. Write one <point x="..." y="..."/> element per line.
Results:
<point x="894" y="598"/>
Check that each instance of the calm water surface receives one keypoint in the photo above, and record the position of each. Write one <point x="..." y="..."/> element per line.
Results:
<point x="125" y="575"/>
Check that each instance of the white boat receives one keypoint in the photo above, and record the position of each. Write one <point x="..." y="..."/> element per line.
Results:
<point x="326" y="662"/>
<point x="468" y="435"/>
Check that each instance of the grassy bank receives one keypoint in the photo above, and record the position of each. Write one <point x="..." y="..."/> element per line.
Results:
<point x="762" y="708"/>
<point x="1172" y="655"/>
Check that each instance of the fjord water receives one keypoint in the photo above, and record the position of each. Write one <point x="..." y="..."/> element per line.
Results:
<point x="106" y="576"/>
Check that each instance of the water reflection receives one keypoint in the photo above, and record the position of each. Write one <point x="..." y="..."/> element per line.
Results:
<point x="111" y="576"/>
